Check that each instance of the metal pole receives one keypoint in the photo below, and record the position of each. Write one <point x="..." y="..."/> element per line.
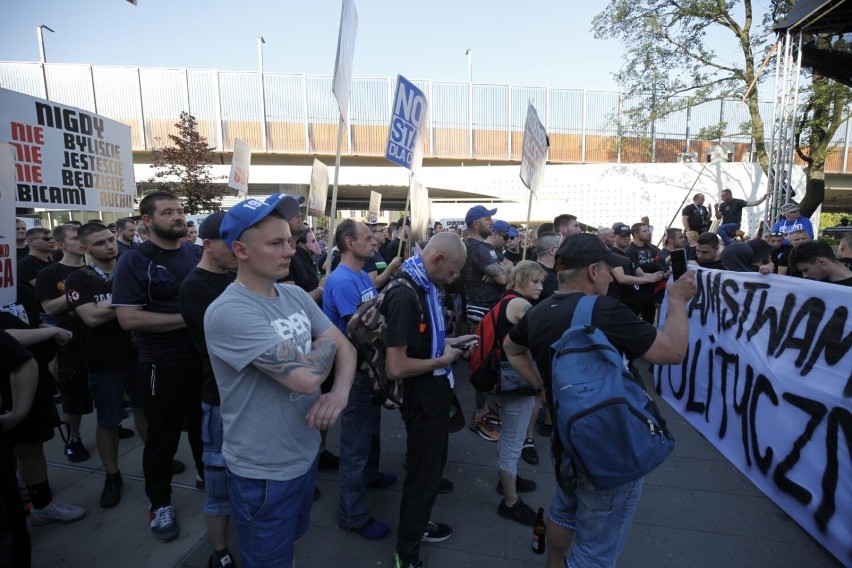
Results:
<point x="583" y="128"/>
<point x="688" y="118"/>
<point x="94" y="96"/>
<point x="509" y="129"/>
<point x="469" y="54"/>
<point x="264" y="133"/>
<point x="142" y="110"/>
<point x="219" y="122"/>
<point x="619" y="135"/>
<point x="42" y="57"/>
<point x="846" y="146"/>
<point x="305" y="111"/>
<point x="340" y="130"/>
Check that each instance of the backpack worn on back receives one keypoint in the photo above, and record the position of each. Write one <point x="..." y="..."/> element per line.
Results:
<point x="484" y="371"/>
<point x="607" y="426"/>
<point x="367" y="330"/>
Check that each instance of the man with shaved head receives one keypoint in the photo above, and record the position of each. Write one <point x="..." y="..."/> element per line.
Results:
<point x="419" y="352"/>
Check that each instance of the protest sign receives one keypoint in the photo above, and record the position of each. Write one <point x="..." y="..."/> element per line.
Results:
<point x="319" y="189"/>
<point x="65" y="157"/>
<point x="240" y="164"/>
<point x="8" y="252"/>
<point x="419" y="211"/>
<point x="375" y="207"/>
<point x="534" y="151"/>
<point x="345" y="54"/>
<point x="409" y="116"/>
<point x="767" y="381"/>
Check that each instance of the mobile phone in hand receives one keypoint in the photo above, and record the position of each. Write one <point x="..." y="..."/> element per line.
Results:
<point x="465" y="345"/>
<point x="679" y="263"/>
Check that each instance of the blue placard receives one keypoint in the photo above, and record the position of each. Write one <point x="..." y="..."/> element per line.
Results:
<point x="409" y="115"/>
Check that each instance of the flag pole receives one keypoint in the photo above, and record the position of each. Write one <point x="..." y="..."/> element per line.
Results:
<point x="406" y="213"/>
<point x="527" y="232"/>
<point x="340" y="130"/>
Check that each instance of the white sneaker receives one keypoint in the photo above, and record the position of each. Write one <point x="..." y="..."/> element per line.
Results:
<point x="56" y="511"/>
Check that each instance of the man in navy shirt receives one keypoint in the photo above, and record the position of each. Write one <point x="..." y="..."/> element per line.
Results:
<point x="145" y="296"/>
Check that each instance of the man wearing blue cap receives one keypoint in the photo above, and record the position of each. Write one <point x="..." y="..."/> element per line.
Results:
<point x="484" y="276"/>
<point x="271" y="347"/>
<point x="145" y="296"/>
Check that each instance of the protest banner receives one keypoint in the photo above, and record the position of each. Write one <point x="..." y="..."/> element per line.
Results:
<point x="408" y="117"/>
<point x="65" y="157"/>
<point x="240" y="163"/>
<point x="318" y="194"/>
<point x="533" y="160"/>
<point x="8" y="250"/>
<point x="375" y="207"/>
<point x="768" y="381"/>
<point x="419" y="211"/>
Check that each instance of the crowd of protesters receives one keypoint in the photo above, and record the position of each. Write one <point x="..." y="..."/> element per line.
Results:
<point x="234" y="332"/>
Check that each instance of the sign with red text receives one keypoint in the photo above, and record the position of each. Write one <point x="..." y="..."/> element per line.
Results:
<point x="65" y="157"/>
<point x="8" y="252"/>
<point x="375" y="207"/>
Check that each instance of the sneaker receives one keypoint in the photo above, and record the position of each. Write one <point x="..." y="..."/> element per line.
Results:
<point x="529" y="453"/>
<point x="125" y="433"/>
<point x="371" y="530"/>
<point x="56" y="511"/>
<point x="111" y="495"/>
<point x="75" y="451"/>
<point x="492" y="417"/>
<point x="224" y="562"/>
<point x="328" y="460"/>
<point x="485" y="430"/>
<point x="382" y="481"/>
<point x="446" y="486"/>
<point x="164" y="525"/>
<point x="521" y="485"/>
<point x="437" y="532"/>
<point x="397" y="563"/>
<point x="178" y="467"/>
<point x="520" y="512"/>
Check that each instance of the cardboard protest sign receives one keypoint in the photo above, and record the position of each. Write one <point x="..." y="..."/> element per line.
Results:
<point x="375" y="206"/>
<point x="534" y="153"/>
<point x="65" y="157"/>
<point x="341" y="85"/>
<point x="8" y="252"/>
<point x="240" y="164"/>
<point x="767" y="381"/>
<point x="409" y="117"/>
<point x="318" y="194"/>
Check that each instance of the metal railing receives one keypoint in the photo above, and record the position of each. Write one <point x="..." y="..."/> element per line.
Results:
<point x="466" y="121"/>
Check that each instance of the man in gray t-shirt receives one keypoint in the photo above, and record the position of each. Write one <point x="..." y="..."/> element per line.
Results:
<point x="271" y="347"/>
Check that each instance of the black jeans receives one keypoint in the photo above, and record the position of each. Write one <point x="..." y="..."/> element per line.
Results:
<point x="426" y="413"/>
<point x="171" y="391"/>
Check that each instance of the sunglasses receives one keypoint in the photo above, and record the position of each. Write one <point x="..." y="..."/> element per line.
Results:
<point x="47" y="238"/>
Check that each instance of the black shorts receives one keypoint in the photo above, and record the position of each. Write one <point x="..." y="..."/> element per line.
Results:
<point x="74" y="380"/>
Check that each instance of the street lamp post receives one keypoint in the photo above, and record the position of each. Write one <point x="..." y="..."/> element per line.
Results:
<point x="41" y="55"/>
<point x="469" y="54"/>
<point x="264" y="131"/>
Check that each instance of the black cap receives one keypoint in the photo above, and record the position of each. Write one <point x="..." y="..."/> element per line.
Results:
<point x="210" y="226"/>
<point x="621" y="230"/>
<point x="583" y="249"/>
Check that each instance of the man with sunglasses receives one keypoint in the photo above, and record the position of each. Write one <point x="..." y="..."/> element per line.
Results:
<point x="41" y="244"/>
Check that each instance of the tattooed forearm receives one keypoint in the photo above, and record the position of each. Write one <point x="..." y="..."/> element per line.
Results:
<point x="284" y="360"/>
<point x="494" y="270"/>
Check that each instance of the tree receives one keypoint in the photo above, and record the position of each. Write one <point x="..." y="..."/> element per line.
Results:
<point x="670" y="58"/>
<point x="184" y="168"/>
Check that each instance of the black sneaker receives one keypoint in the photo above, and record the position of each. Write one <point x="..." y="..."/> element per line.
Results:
<point x="529" y="453"/>
<point x="75" y="451"/>
<point x="111" y="495"/>
<point x="224" y="562"/>
<point x="520" y="512"/>
<point x="178" y="467"/>
<point x="521" y="485"/>
<point x="446" y="486"/>
<point x="164" y="525"/>
<point x="437" y="532"/>
<point x="398" y="563"/>
<point x="125" y="433"/>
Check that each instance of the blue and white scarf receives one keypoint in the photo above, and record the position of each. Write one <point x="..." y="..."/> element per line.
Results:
<point x="417" y="271"/>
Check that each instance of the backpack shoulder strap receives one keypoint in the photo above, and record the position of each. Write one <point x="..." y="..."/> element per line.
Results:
<point x="583" y="311"/>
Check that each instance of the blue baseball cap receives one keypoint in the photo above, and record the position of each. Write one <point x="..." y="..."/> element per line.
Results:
<point x="250" y="212"/>
<point x="504" y="227"/>
<point x="476" y="213"/>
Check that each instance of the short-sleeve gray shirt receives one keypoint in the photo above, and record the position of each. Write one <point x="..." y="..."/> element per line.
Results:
<point x="266" y="433"/>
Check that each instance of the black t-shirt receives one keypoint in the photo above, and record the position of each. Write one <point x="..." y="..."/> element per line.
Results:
<point x="698" y="217"/>
<point x="22" y="252"/>
<point x="29" y="267"/>
<point x="778" y="253"/>
<point x="846" y="282"/>
<point x="550" y="284"/>
<point x="12" y="356"/>
<point x="784" y="260"/>
<point x="514" y="257"/>
<point x="732" y="211"/>
<point x="715" y="264"/>
<point x="303" y="270"/>
<point x="478" y="291"/>
<point x="545" y="323"/>
<point x="108" y="347"/>
<point x="645" y="257"/>
<point x="197" y="292"/>
<point x="50" y="284"/>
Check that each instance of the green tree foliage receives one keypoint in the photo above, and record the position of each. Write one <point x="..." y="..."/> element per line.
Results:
<point x="669" y="60"/>
<point x="184" y="168"/>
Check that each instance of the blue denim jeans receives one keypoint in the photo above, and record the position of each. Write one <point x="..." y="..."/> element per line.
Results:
<point x="271" y="516"/>
<point x="601" y="520"/>
<point x="726" y="231"/>
<point x="216" y="500"/>
<point x="360" y="446"/>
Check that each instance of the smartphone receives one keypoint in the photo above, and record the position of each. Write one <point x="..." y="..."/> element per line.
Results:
<point x="678" y="263"/>
<point x="465" y="345"/>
